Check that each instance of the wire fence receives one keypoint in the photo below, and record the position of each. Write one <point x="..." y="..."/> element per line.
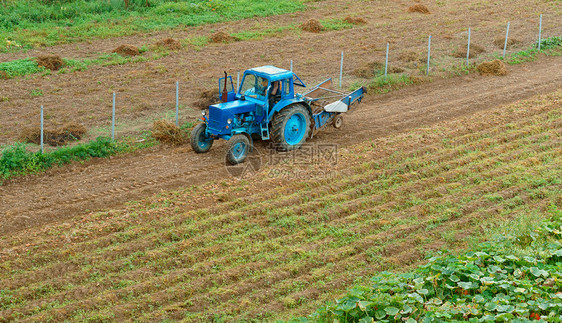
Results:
<point x="341" y="74"/>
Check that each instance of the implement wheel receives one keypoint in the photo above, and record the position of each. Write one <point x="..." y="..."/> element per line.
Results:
<point x="238" y="148"/>
<point x="290" y="127"/>
<point x="199" y="140"/>
<point x="338" y="122"/>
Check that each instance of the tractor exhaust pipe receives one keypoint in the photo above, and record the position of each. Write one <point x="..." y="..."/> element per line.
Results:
<point x="224" y="96"/>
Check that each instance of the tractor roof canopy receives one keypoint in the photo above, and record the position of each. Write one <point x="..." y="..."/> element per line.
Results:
<point x="271" y="73"/>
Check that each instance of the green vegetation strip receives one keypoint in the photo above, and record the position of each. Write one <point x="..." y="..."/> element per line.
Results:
<point x="550" y="46"/>
<point x="46" y="23"/>
<point x="512" y="277"/>
<point x="16" y="160"/>
<point x="29" y="66"/>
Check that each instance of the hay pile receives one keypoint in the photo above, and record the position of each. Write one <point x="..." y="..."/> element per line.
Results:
<point x="55" y="137"/>
<point x="419" y="8"/>
<point x="409" y="56"/>
<point x="475" y="50"/>
<point x="495" y="67"/>
<point x="312" y="26"/>
<point x="169" y="43"/>
<point x="500" y="42"/>
<point x="355" y="20"/>
<point x="127" y="50"/>
<point x="206" y="98"/>
<point x="168" y="132"/>
<point x="221" y="37"/>
<point x="368" y="70"/>
<point x="52" y="62"/>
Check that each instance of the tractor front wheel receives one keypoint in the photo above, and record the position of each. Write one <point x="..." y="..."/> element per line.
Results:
<point x="290" y="127"/>
<point x="200" y="142"/>
<point x="238" y="147"/>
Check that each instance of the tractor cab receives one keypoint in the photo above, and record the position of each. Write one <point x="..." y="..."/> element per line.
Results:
<point x="260" y="82"/>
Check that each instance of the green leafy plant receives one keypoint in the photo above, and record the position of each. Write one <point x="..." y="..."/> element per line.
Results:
<point x="552" y="42"/>
<point x="493" y="284"/>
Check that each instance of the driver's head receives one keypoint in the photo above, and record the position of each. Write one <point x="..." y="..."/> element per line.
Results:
<point x="263" y="82"/>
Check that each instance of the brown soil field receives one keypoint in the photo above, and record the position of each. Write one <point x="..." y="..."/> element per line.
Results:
<point x="98" y="184"/>
<point x="271" y="247"/>
<point x="163" y="223"/>
<point x="145" y="90"/>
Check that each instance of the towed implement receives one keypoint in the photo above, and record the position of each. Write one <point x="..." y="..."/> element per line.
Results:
<point x="265" y="106"/>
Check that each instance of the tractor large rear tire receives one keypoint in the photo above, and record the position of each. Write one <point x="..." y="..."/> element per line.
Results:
<point x="291" y="127"/>
<point x="199" y="140"/>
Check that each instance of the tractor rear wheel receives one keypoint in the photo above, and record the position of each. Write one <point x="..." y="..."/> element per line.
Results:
<point x="290" y="127"/>
<point x="199" y="140"/>
<point x="238" y="148"/>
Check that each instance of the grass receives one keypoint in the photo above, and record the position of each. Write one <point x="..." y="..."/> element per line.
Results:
<point x="21" y="67"/>
<point x="47" y="23"/>
<point x="264" y="33"/>
<point x="551" y="46"/>
<point x="17" y="160"/>
<point x="335" y="24"/>
<point x="267" y="248"/>
<point x="382" y="84"/>
<point x="29" y="66"/>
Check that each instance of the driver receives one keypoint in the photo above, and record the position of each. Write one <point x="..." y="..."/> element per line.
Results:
<point x="275" y="93"/>
<point x="262" y="87"/>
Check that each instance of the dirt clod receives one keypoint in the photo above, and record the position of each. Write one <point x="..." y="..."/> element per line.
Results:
<point x="52" y="62"/>
<point x="206" y="98"/>
<point x="355" y="20"/>
<point x="312" y="26"/>
<point x="500" y="42"/>
<point x="222" y="37"/>
<point x="495" y="67"/>
<point x="127" y="50"/>
<point x="419" y="8"/>
<point x="409" y="56"/>
<point x="475" y="50"/>
<point x="168" y="132"/>
<point x="169" y="43"/>
<point x="55" y="137"/>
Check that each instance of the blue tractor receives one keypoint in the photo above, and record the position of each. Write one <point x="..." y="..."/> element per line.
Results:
<point x="266" y="107"/>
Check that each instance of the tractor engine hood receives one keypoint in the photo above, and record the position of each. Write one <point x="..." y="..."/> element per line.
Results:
<point x="220" y="113"/>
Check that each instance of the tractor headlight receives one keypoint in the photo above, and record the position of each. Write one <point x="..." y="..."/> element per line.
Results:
<point x="229" y="121"/>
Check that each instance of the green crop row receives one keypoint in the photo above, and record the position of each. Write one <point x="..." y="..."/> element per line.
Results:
<point x="510" y="277"/>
